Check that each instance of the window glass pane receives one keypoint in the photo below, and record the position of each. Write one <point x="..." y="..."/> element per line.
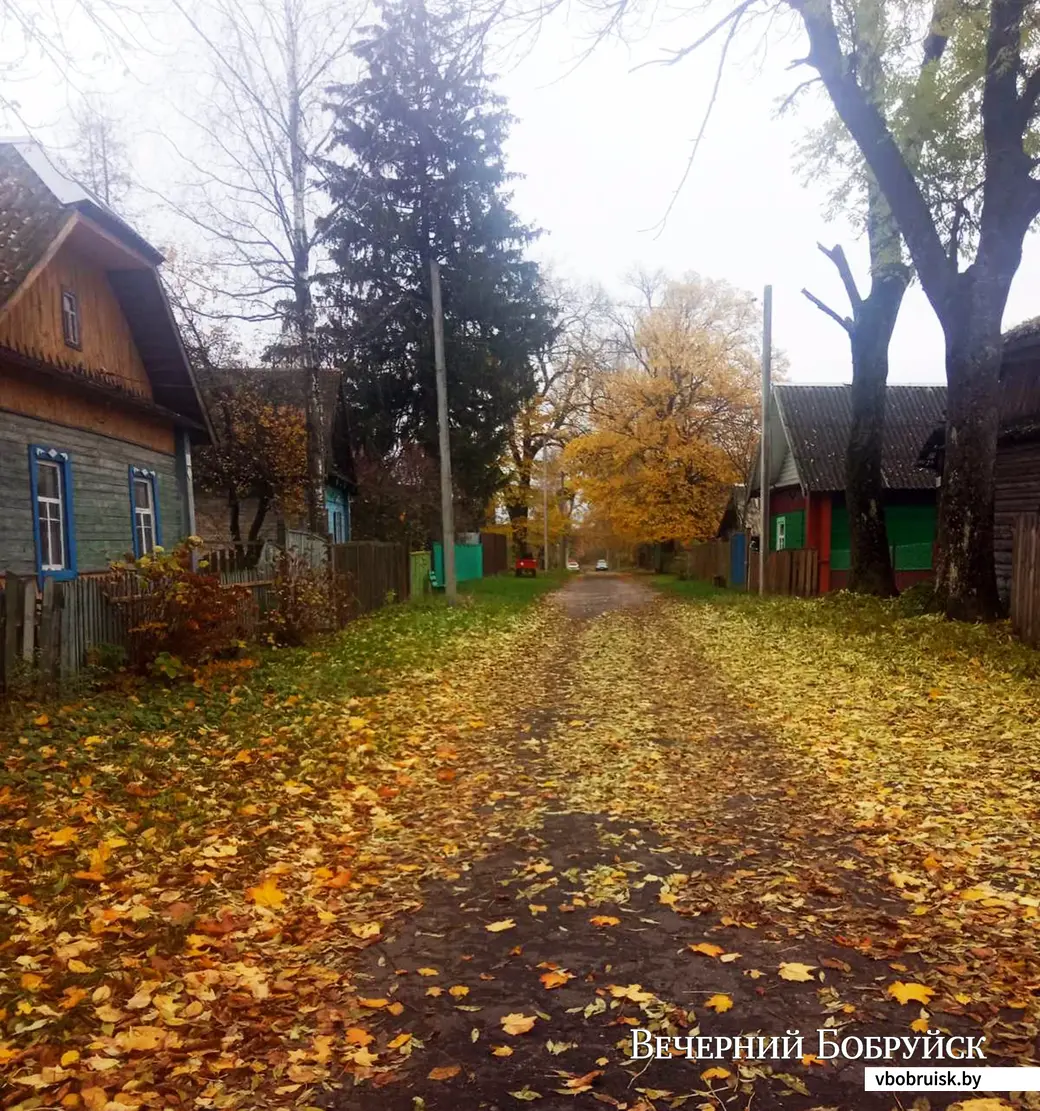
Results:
<point x="48" y="484"/>
<point x="56" y="556"/>
<point x="143" y="493"/>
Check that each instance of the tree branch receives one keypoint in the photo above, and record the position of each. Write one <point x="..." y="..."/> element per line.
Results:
<point x="844" y="321"/>
<point x="837" y="255"/>
<point x="881" y="152"/>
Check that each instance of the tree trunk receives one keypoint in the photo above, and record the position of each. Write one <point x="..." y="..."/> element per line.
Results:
<point x="966" y="577"/>
<point x="519" y="522"/>
<point x="870" y="560"/>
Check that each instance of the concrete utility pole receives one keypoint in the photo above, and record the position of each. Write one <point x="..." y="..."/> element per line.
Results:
<point x="545" y="508"/>
<point x="763" y="468"/>
<point x="447" y="508"/>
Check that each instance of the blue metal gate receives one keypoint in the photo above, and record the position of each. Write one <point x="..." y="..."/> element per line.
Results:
<point x="737" y="558"/>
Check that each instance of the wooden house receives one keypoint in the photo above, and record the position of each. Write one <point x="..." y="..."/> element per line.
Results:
<point x="1017" y="470"/>
<point x="808" y="431"/>
<point x="282" y="386"/>
<point x="98" y="405"/>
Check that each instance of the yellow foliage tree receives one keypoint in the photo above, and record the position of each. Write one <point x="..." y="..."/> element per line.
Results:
<point x="674" y="428"/>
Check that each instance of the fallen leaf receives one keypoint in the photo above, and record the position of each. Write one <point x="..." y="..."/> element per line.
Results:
<point x="266" y="894"/>
<point x="910" y="993"/>
<point x="719" y="1003"/>
<point x="605" y="920"/>
<point x="799" y="973"/>
<point x="715" y="1073"/>
<point x="444" y="1072"/>
<point x="707" y="949"/>
<point x="501" y="1051"/>
<point x="555" y="979"/>
<point x="518" y="1023"/>
<point x="498" y="927"/>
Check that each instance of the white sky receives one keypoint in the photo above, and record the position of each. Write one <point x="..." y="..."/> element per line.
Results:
<point x="602" y="149"/>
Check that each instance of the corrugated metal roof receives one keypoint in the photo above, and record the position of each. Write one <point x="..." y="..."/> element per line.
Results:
<point x="818" y="419"/>
<point x="30" y="219"/>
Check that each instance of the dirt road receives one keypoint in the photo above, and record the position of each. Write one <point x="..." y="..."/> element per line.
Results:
<point x="662" y="884"/>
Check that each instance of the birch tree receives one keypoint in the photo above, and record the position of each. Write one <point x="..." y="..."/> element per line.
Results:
<point x="256" y="191"/>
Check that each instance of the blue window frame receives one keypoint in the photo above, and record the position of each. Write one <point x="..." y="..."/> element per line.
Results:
<point x="144" y="510"/>
<point x="54" y="529"/>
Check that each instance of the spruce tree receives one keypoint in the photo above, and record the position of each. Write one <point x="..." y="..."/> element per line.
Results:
<point x="417" y="171"/>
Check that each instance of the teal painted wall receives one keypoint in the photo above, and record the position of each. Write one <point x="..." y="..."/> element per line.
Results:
<point x="911" y="535"/>
<point x="338" y="506"/>
<point x="469" y="562"/>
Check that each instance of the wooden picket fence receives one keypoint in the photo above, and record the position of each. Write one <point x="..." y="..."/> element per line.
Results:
<point x="791" y="571"/>
<point x="1025" y="578"/>
<point x="51" y="635"/>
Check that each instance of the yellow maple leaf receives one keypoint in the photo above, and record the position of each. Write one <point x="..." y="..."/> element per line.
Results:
<point x="605" y="920"/>
<point x="43" y="719"/>
<point x="70" y="1057"/>
<point x="555" y="979"/>
<point x="715" y="1073"/>
<point x="64" y="836"/>
<point x="427" y="971"/>
<point x="401" y="1039"/>
<point x="719" y="1003"/>
<point x="435" y="991"/>
<point x="799" y="973"/>
<point x="31" y="981"/>
<point x="355" y="1035"/>
<point x="518" y="1024"/>
<point x="633" y="992"/>
<point x="458" y="991"/>
<point x="498" y="927"/>
<point x="267" y="894"/>
<point x="396" y="1008"/>
<point x="374" y="1004"/>
<point x="919" y="1025"/>
<point x="501" y="1051"/>
<point x="707" y="949"/>
<point x="910" y="993"/>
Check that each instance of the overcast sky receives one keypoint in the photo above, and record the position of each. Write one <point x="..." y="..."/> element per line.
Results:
<point x="602" y="149"/>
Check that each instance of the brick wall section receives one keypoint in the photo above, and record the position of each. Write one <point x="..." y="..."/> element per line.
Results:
<point x="100" y="493"/>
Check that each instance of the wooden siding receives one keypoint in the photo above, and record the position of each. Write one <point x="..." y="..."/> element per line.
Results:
<point x="20" y="393"/>
<point x="788" y="474"/>
<point x="100" y="493"/>
<point x="34" y="323"/>
<point x="1017" y="481"/>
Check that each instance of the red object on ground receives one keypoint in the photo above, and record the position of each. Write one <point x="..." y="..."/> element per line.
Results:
<point x="527" y="565"/>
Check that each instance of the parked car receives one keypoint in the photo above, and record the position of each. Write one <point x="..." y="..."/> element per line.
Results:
<point x="573" y="565"/>
<point x="601" y="565"/>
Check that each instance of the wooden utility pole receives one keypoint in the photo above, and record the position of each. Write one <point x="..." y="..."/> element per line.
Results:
<point x="763" y="467"/>
<point x="447" y="508"/>
<point x="545" y="508"/>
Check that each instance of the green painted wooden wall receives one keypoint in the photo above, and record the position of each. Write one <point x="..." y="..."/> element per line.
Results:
<point x="911" y="534"/>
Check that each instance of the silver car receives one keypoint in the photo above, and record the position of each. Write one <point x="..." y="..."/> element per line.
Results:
<point x="601" y="565"/>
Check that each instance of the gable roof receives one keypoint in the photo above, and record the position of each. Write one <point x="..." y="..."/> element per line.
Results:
<point x="817" y="421"/>
<point x="39" y="206"/>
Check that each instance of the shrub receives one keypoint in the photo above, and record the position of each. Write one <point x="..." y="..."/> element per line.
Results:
<point x="303" y="600"/>
<point x="175" y="612"/>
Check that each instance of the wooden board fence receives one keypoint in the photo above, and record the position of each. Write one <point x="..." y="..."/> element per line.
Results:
<point x="792" y="571"/>
<point x="1025" y="578"/>
<point x="706" y="562"/>
<point x="369" y="574"/>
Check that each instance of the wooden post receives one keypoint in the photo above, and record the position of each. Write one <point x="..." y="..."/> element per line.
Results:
<point x="12" y="619"/>
<point x="763" y="476"/>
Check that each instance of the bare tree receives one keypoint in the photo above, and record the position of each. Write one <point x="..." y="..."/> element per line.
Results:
<point x="97" y="156"/>
<point x="255" y="192"/>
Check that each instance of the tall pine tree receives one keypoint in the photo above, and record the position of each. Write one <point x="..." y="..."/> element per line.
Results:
<point x="417" y="172"/>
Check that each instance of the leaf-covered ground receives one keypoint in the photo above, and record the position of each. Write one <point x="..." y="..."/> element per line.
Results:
<point x="453" y="858"/>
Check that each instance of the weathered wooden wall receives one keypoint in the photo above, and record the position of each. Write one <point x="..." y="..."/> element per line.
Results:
<point x="1024" y="583"/>
<point x="1017" y="485"/>
<point x="100" y="493"/>
<point x="34" y="323"/>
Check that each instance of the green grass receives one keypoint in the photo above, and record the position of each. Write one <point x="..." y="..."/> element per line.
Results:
<point x="510" y="590"/>
<point x="694" y="589"/>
